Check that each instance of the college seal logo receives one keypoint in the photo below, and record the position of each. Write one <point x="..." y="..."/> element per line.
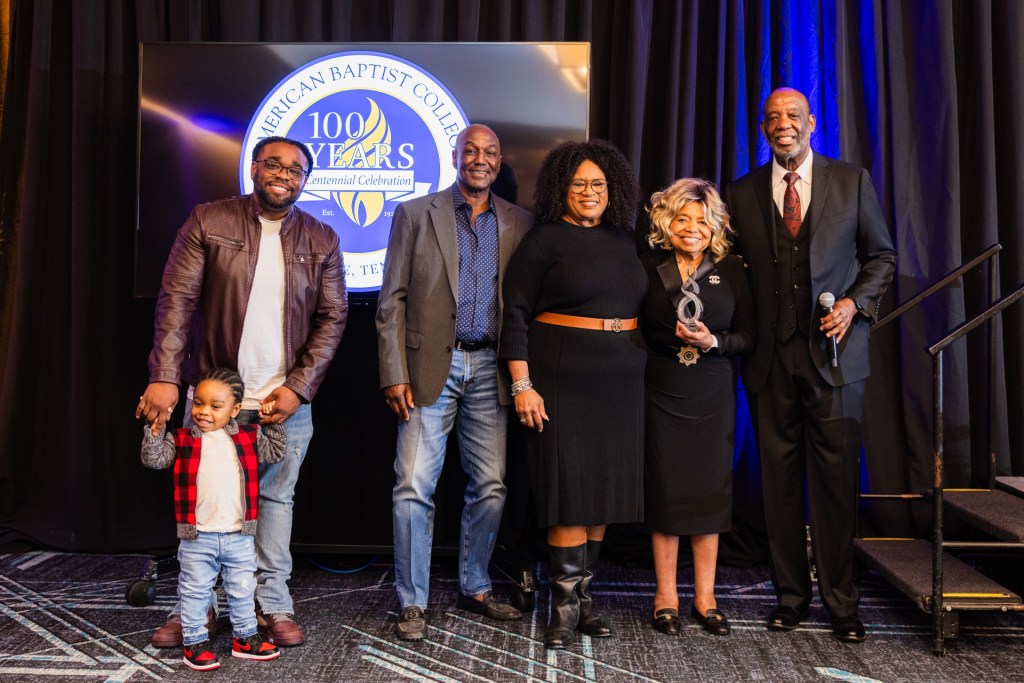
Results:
<point x="381" y="131"/>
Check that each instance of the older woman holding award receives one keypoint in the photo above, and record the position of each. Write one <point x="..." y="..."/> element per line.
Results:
<point x="698" y="313"/>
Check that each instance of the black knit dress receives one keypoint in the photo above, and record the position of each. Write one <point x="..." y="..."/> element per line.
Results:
<point x="586" y="467"/>
<point x="690" y="408"/>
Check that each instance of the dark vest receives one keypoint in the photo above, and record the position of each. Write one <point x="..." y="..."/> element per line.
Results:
<point x="794" y="278"/>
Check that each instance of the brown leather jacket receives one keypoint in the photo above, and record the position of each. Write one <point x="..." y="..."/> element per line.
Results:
<point x="206" y="285"/>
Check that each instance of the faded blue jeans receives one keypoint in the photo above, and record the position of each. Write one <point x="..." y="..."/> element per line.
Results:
<point x="233" y="556"/>
<point x="274" y="529"/>
<point x="274" y="524"/>
<point x="470" y="400"/>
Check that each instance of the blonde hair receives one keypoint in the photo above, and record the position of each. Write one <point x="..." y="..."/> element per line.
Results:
<point x="666" y="205"/>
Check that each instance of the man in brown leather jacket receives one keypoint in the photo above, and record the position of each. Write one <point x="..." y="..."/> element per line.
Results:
<point x="256" y="284"/>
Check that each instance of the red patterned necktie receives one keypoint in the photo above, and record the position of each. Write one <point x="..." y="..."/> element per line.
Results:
<point x="791" y="205"/>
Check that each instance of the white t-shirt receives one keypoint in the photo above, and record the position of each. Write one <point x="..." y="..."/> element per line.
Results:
<point x="220" y="505"/>
<point x="261" y="361"/>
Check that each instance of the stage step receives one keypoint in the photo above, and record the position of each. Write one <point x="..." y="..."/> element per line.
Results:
<point x="1014" y="485"/>
<point x="998" y="513"/>
<point x="907" y="565"/>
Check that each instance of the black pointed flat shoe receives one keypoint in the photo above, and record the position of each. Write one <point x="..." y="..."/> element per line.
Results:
<point x="713" y="621"/>
<point x="666" y="621"/>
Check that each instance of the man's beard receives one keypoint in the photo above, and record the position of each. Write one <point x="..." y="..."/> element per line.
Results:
<point x="792" y="154"/>
<point x="273" y="201"/>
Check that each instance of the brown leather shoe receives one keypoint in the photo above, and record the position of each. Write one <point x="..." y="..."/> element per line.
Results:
<point x="169" y="635"/>
<point x="412" y="624"/>
<point x="279" y="628"/>
<point x="489" y="607"/>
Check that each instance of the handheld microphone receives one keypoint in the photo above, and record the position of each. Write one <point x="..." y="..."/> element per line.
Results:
<point x="827" y="300"/>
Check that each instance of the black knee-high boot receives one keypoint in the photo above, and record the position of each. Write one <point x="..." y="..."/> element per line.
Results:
<point x="565" y="571"/>
<point x="590" y="622"/>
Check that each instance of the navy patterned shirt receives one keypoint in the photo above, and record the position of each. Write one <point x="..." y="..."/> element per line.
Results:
<point x="476" y="319"/>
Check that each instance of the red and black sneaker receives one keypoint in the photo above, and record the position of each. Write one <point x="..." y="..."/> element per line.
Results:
<point x="254" y="647"/>
<point x="200" y="657"/>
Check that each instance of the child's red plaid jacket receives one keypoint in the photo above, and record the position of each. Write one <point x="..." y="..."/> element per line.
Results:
<point x="183" y="450"/>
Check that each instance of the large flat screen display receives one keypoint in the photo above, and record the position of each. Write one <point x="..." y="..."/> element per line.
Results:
<point x="380" y="119"/>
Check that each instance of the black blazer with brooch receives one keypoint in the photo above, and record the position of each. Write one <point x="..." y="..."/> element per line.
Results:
<point x="728" y="306"/>
<point x="851" y="255"/>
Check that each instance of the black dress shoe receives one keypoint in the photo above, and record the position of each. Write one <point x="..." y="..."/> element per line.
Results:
<point x="412" y="624"/>
<point x="785" y="619"/>
<point x="489" y="607"/>
<point x="666" y="621"/>
<point x="849" y="629"/>
<point x="594" y="626"/>
<point x="713" y="621"/>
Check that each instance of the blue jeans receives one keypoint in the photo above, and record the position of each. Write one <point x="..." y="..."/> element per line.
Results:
<point x="471" y="394"/>
<point x="274" y="525"/>
<point x="274" y="529"/>
<point x="233" y="556"/>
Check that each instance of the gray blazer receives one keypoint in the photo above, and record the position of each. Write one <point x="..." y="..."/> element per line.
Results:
<point x="419" y="294"/>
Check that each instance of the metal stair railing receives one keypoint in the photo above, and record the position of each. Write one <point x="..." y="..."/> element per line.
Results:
<point x="936" y="351"/>
<point x="938" y="545"/>
<point x="992" y="252"/>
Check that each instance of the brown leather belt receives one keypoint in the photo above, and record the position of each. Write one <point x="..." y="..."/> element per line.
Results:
<point x="605" y="324"/>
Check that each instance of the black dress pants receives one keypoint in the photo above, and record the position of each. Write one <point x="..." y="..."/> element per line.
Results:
<point x="808" y="435"/>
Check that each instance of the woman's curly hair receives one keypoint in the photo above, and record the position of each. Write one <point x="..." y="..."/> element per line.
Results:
<point x="666" y="205"/>
<point x="559" y="167"/>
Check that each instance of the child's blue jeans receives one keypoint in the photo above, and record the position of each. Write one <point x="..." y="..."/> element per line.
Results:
<point x="233" y="556"/>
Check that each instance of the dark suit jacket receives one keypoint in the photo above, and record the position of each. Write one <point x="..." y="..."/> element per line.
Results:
<point x="851" y="255"/>
<point x="419" y="294"/>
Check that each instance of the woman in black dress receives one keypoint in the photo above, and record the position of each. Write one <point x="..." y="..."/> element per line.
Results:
<point x="690" y="420"/>
<point x="572" y="292"/>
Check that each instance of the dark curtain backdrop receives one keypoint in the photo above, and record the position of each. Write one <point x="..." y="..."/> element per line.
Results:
<point x="927" y="95"/>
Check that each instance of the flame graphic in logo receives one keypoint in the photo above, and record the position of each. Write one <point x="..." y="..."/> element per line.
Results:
<point x="363" y="208"/>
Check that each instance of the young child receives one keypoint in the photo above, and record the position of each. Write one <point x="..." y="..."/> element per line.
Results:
<point x="215" y="498"/>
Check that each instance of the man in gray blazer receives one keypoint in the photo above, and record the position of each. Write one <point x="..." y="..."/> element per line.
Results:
<point x="438" y="321"/>
<point x="808" y="225"/>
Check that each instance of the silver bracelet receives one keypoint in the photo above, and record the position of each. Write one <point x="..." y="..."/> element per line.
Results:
<point x="520" y="385"/>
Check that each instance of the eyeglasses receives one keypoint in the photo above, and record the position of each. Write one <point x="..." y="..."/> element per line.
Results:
<point x="274" y="166"/>
<point x="580" y="186"/>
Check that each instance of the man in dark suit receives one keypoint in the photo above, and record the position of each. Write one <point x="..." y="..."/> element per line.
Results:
<point x="438" y="322"/>
<point x="806" y="225"/>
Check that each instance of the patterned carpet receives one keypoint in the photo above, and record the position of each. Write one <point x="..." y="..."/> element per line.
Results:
<point x="65" y="618"/>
